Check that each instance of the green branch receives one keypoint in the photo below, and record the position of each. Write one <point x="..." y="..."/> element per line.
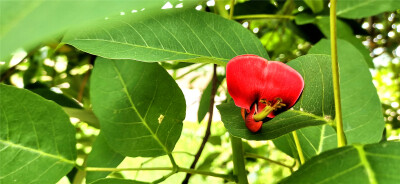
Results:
<point x="298" y="147"/>
<point x="191" y="171"/>
<point x="238" y="160"/>
<point x="341" y="138"/>
<point x="264" y="16"/>
<point x="252" y="155"/>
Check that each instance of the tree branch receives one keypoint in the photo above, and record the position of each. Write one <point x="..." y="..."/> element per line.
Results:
<point x="208" y="130"/>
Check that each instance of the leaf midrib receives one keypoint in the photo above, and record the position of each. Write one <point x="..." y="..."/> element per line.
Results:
<point x="58" y="157"/>
<point x="353" y="7"/>
<point x="136" y="111"/>
<point x="153" y="48"/>
<point x="365" y="163"/>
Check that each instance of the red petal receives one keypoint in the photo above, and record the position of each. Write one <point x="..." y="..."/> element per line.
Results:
<point x="244" y="79"/>
<point x="283" y="82"/>
<point x="251" y="78"/>
<point x="252" y="125"/>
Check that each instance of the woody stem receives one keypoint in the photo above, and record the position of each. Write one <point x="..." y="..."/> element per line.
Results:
<point x="267" y="110"/>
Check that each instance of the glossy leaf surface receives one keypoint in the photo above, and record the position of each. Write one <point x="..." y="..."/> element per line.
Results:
<point x="139" y="105"/>
<point x="363" y="164"/>
<point x="361" y="109"/>
<point x="190" y="36"/>
<point x="37" y="140"/>
<point x="355" y="9"/>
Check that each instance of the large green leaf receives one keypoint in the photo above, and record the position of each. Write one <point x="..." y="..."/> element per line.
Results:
<point x="37" y="141"/>
<point x="139" y="105"/>
<point x="101" y="156"/>
<point x="344" y="32"/>
<point x="315" y="106"/>
<point x="355" y="9"/>
<point x="191" y="36"/>
<point x="361" y="164"/>
<point x="361" y="109"/>
<point x="26" y="23"/>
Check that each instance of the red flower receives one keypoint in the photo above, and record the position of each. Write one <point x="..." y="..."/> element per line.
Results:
<point x="261" y="87"/>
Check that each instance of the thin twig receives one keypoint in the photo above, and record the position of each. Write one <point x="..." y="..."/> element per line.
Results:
<point x="252" y="155"/>
<point x="208" y="130"/>
<point x="85" y="79"/>
<point x="264" y="16"/>
<point x="190" y="71"/>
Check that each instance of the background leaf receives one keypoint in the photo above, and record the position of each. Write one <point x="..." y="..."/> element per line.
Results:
<point x="361" y="109"/>
<point x="139" y="105"/>
<point x="304" y="18"/>
<point x="314" y="107"/>
<point x="117" y="181"/>
<point x="374" y="163"/>
<point x="48" y="18"/>
<point x="101" y="156"/>
<point x="37" y="140"/>
<point x="204" y="104"/>
<point x="356" y="9"/>
<point x="315" y="5"/>
<point x="190" y="36"/>
<point x="345" y="32"/>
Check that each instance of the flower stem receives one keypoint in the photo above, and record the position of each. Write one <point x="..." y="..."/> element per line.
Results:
<point x="263" y="16"/>
<point x="238" y="160"/>
<point x="341" y="138"/>
<point x="298" y="147"/>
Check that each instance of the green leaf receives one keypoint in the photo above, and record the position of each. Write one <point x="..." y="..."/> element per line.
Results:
<point x="37" y="141"/>
<point x="47" y="93"/>
<point x="280" y="125"/>
<point x="356" y="9"/>
<point x="204" y="104"/>
<point x="139" y="105"/>
<point x="207" y="163"/>
<point x="304" y="18"/>
<point x="47" y="18"/>
<point x="117" y="181"/>
<point x="84" y="115"/>
<point x="101" y="156"/>
<point x="361" y="109"/>
<point x="189" y="36"/>
<point x="363" y="164"/>
<point x="345" y="32"/>
<point x="314" y="107"/>
<point x="315" y="5"/>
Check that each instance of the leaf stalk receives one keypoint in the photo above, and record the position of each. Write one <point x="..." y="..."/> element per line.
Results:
<point x="298" y="147"/>
<point x="341" y="138"/>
